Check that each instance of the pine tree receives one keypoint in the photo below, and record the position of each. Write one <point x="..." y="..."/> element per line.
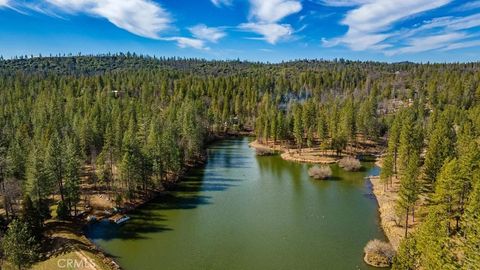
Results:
<point x="434" y="246"/>
<point x="55" y="163"/>
<point x="3" y="172"/>
<point x="308" y="121"/>
<point x="448" y="191"/>
<point x="410" y="140"/>
<point x="367" y="118"/>
<point x="131" y="163"/>
<point x="321" y="127"/>
<point x="347" y="121"/>
<point x="298" y="125"/>
<point x="19" y="244"/>
<point x="72" y="177"/>
<point x="389" y="167"/>
<point x="471" y="238"/>
<point x="172" y="154"/>
<point x="32" y="217"/>
<point x="17" y="157"/>
<point x="386" y="173"/>
<point x="39" y="182"/>
<point x="407" y="257"/>
<point x="440" y="147"/>
<point x="409" y="187"/>
<point x="155" y="150"/>
<point x="108" y="153"/>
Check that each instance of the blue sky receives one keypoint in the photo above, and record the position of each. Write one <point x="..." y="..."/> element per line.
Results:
<point x="258" y="30"/>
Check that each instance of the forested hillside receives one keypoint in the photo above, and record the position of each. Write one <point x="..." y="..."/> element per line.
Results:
<point x="126" y="125"/>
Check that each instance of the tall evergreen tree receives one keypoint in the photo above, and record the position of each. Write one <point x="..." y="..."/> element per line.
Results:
<point x="72" y="176"/>
<point x="19" y="244"/>
<point x="409" y="187"/>
<point x="55" y="163"/>
<point x="439" y="148"/>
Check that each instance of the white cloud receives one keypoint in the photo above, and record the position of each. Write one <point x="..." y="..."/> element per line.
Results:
<point x="464" y="23"/>
<point x="270" y="11"/>
<point x="436" y="28"/>
<point x="184" y="42"/>
<point x="380" y="15"/>
<point x="265" y="16"/>
<point x="369" y="24"/>
<point x="428" y="43"/>
<point x="145" y="18"/>
<point x="343" y="3"/>
<point x="359" y="41"/>
<point x="447" y="23"/>
<point x="4" y="3"/>
<point x="203" y="32"/>
<point x="468" y="6"/>
<point x="271" y="32"/>
<point x="461" y="45"/>
<point x="219" y="3"/>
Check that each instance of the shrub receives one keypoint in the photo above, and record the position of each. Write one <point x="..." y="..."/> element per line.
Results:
<point x="62" y="210"/>
<point x="322" y="172"/>
<point x="379" y="253"/>
<point x="350" y="164"/>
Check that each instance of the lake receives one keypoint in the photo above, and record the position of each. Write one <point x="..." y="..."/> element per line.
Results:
<point x="241" y="211"/>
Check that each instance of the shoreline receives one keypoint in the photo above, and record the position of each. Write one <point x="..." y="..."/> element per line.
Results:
<point x="386" y="201"/>
<point x="305" y="155"/>
<point x="392" y="224"/>
<point x="108" y="259"/>
<point x="314" y="155"/>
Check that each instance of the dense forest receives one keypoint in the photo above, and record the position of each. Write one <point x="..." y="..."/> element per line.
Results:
<point x="128" y="124"/>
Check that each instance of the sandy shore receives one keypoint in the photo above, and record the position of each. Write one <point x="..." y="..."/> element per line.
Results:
<point x="393" y="225"/>
<point x="387" y="200"/>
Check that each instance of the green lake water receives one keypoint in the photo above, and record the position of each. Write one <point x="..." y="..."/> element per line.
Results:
<point x="241" y="211"/>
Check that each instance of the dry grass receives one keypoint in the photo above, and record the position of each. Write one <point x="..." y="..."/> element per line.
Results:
<point x="379" y="253"/>
<point x="350" y="164"/>
<point x="322" y="172"/>
<point x="379" y="247"/>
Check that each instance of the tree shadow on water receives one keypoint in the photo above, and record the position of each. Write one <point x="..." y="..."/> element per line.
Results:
<point x="146" y="219"/>
<point x="150" y="217"/>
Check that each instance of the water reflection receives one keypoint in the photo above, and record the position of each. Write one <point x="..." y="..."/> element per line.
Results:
<point x="246" y="212"/>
